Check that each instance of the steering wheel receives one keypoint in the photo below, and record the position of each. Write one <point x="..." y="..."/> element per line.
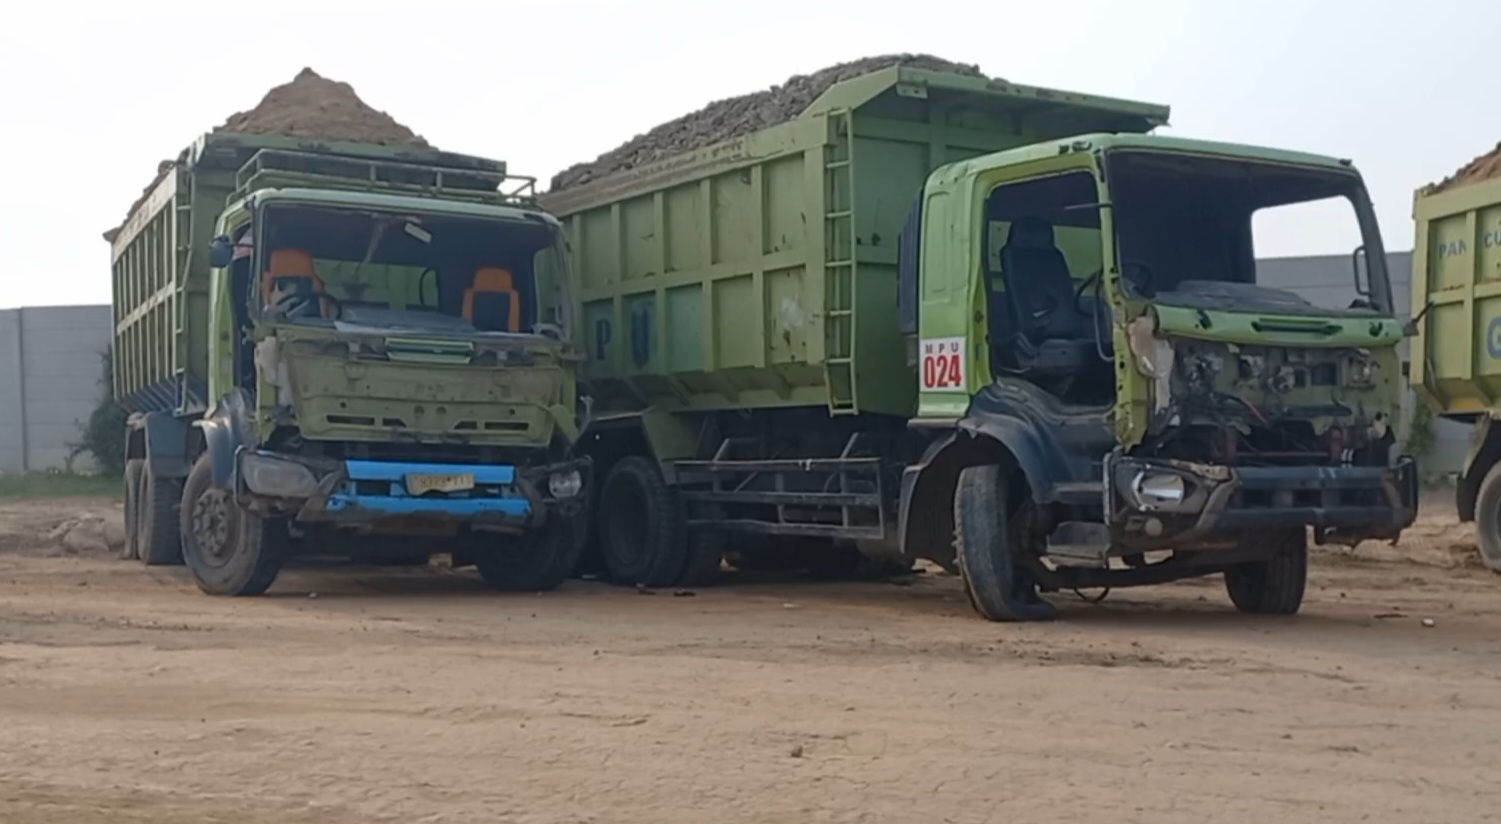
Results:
<point x="1141" y="282"/>
<point x="296" y="299"/>
<point x="422" y="293"/>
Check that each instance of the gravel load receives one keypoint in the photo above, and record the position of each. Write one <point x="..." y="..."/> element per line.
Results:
<point x="736" y="116"/>
<point x="310" y="106"/>
<point x="1483" y="168"/>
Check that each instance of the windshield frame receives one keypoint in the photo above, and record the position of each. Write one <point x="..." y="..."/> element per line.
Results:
<point x="562" y="281"/>
<point x="1343" y="177"/>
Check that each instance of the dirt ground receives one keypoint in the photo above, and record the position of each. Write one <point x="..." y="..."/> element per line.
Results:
<point x="416" y="696"/>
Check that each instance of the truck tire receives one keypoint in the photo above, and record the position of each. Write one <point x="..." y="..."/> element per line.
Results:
<point x="705" y="557"/>
<point x="535" y="561"/>
<point x="1274" y="586"/>
<point x="135" y="472"/>
<point x="158" y="521"/>
<point x="985" y="547"/>
<point x="229" y="551"/>
<point x="641" y="531"/>
<point x="1488" y="519"/>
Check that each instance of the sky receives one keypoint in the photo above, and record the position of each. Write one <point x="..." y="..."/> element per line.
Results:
<point x="93" y="95"/>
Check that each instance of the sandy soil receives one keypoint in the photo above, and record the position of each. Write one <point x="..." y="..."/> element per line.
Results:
<point x="416" y="696"/>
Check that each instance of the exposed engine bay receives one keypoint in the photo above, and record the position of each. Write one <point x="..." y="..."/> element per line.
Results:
<point x="1251" y="405"/>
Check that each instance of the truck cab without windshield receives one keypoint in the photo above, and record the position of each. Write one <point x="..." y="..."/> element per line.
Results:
<point x="1131" y="387"/>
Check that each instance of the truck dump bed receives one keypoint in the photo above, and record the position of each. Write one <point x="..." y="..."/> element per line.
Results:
<point x="1456" y="288"/>
<point x="159" y="257"/>
<point x="762" y="271"/>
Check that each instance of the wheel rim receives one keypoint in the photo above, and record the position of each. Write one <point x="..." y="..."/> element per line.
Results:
<point x="213" y="527"/>
<point x="626" y="522"/>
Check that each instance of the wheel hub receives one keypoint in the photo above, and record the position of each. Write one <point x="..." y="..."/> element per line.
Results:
<point x="212" y="521"/>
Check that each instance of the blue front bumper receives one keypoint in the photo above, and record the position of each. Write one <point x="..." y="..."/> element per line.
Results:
<point x="362" y="491"/>
<point x="379" y="489"/>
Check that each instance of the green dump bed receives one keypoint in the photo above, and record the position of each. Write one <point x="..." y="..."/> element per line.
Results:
<point x="159" y="257"/>
<point x="762" y="271"/>
<point x="1456" y="260"/>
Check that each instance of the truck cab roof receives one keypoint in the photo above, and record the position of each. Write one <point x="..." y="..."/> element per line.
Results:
<point x="387" y="202"/>
<point x="1111" y="142"/>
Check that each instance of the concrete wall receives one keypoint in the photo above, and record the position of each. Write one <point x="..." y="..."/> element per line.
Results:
<point x="50" y="373"/>
<point x="1328" y="280"/>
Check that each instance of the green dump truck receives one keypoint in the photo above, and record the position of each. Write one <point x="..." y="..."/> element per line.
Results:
<point x="345" y="349"/>
<point x="1456" y="347"/>
<point x="997" y="327"/>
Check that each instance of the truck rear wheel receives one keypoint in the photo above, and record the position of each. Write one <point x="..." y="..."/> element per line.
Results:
<point x="157" y="520"/>
<point x="1274" y="586"/>
<point x="986" y="548"/>
<point x="641" y="530"/>
<point x="1488" y="519"/>
<point x="229" y="551"/>
<point x="535" y="561"/>
<point x="135" y="472"/>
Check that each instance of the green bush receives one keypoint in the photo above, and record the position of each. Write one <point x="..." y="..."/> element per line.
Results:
<point x="103" y="436"/>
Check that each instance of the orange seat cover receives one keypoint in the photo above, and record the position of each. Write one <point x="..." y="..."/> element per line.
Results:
<point x="494" y="280"/>
<point x="289" y="263"/>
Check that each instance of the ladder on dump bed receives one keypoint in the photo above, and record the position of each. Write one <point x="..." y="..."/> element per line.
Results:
<point x="839" y="264"/>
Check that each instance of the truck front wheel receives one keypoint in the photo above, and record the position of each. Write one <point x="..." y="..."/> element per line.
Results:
<point x="535" y="561"/>
<point x="1274" y="586"/>
<point x="986" y="546"/>
<point x="1488" y="519"/>
<point x="229" y="551"/>
<point x="641" y="530"/>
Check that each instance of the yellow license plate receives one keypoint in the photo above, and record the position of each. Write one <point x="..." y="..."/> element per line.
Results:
<point x="423" y="484"/>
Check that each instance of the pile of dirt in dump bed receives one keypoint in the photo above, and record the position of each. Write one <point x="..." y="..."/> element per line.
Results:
<point x="1483" y="168"/>
<point x="727" y="119"/>
<point x="313" y="107"/>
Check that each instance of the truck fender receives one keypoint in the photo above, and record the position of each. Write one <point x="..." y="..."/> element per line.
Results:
<point x="164" y="440"/>
<point x="225" y="430"/>
<point x="1012" y="425"/>
<point x="925" y="510"/>
<point x="1023" y="444"/>
<point x="652" y="433"/>
<point x="1484" y="452"/>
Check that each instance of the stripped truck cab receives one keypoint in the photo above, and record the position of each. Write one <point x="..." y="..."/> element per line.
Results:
<point x="1126" y="402"/>
<point x="356" y="350"/>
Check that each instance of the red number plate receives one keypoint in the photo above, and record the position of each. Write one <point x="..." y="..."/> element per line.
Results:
<point x="942" y="364"/>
